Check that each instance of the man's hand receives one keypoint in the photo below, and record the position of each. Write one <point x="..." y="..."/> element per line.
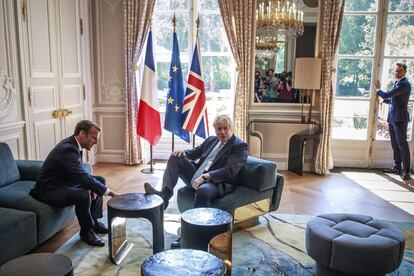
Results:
<point x="178" y="153"/>
<point x="112" y="193"/>
<point x="197" y="182"/>
<point x="377" y="84"/>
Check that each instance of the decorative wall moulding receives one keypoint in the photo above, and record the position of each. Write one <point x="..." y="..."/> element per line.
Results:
<point x="109" y="109"/>
<point x="112" y="5"/>
<point x="113" y="90"/>
<point x="7" y="94"/>
<point x="12" y="126"/>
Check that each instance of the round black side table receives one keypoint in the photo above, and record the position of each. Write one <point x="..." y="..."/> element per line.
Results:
<point x="38" y="264"/>
<point x="200" y="225"/>
<point x="134" y="205"/>
<point x="183" y="262"/>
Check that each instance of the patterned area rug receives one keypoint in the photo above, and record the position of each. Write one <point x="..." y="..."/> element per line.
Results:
<point x="277" y="247"/>
<point x="274" y="247"/>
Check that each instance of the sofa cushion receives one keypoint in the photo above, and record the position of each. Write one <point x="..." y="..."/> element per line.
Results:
<point x="8" y="169"/>
<point x="258" y="174"/>
<point x="49" y="219"/>
<point x="17" y="233"/>
<point x="239" y="197"/>
<point x="29" y="169"/>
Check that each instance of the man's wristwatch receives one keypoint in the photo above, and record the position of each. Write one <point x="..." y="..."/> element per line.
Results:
<point x="204" y="177"/>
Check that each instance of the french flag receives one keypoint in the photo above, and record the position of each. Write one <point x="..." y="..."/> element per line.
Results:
<point x="149" y="119"/>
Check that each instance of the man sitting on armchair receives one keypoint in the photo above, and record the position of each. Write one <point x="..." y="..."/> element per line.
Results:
<point x="220" y="158"/>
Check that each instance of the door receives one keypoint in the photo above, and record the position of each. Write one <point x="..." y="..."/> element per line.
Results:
<point x="51" y="47"/>
<point x="41" y="74"/>
<point x="70" y="67"/>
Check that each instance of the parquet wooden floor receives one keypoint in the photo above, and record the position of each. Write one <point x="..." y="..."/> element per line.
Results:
<point x="355" y="191"/>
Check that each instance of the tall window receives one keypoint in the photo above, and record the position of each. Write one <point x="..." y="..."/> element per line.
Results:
<point x="217" y="61"/>
<point x="398" y="46"/>
<point x="374" y="34"/>
<point x="218" y="67"/>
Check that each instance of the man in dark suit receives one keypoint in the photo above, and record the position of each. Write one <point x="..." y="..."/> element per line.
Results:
<point x="64" y="182"/>
<point x="398" y="118"/>
<point x="220" y="159"/>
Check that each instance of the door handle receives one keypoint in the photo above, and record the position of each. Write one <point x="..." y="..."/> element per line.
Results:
<point x="57" y="113"/>
<point x="66" y="112"/>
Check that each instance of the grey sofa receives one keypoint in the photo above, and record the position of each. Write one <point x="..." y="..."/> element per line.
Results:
<point x="25" y="222"/>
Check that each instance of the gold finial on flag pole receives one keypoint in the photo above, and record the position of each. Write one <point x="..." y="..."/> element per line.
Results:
<point x="150" y="22"/>
<point x="174" y="21"/>
<point x="198" y="21"/>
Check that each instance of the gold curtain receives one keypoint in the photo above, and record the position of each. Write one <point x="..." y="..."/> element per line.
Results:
<point x="238" y="18"/>
<point x="137" y="14"/>
<point x="331" y="13"/>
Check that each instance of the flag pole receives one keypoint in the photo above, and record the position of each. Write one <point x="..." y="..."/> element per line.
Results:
<point x="193" y="140"/>
<point x="198" y="26"/>
<point x="174" y="21"/>
<point x="149" y="126"/>
<point x="151" y="169"/>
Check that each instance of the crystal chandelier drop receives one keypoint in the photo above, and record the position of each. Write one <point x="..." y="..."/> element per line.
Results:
<point x="275" y="17"/>
<point x="266" y="49"/>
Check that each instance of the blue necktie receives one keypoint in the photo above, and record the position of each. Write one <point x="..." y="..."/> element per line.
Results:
<point x="207" y="162"/>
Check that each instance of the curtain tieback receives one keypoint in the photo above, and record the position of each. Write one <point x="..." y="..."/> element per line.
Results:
<point x="134" y="67"/>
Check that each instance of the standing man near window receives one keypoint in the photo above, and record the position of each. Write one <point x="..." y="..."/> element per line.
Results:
<point x="397" y="99"/>
<point x="64" y="182"/>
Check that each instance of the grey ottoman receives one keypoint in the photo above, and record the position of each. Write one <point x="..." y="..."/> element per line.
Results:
<point x="350" y="244"/>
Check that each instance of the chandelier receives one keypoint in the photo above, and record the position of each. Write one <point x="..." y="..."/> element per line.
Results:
<point x="266" y="48"/>
<point x="275" y="17"/>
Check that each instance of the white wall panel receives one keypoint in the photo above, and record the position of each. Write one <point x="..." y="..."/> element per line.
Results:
<point x="70" y="123"/>
<point x="40" y="39"/>
<point x="16" y="144"/>
<point x="72" y="96"/>
<point x="113" y="133"/>
<point x="44" y="98"/>
<point x="70" y="38"/>
<point x="47" y="135"/>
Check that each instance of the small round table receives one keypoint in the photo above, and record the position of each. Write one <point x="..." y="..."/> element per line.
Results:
<point x="200" y="225"/>
<point x="183" y="262"/>
<point x="134" y="205"/>
<point x="38" y="264"/>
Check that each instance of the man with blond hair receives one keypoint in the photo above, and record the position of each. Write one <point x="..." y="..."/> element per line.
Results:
<point x="219" y="159"/>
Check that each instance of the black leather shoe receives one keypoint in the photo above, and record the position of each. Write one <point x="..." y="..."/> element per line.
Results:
<point x="149" y="190"/>
<point x="92" y="239"/>
<point x="176" y="244"/>
<point x="393" y="170"/>
<point x="100" y="228"/>
<point x="406" y="176"/>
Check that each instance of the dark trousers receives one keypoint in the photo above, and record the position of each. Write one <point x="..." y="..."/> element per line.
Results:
<point x="181" y="167"/>
<point x="399" y="144"/>
<point x="87" y="210"/>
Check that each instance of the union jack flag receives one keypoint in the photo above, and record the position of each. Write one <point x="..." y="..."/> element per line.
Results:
<point x="195" y="109"/>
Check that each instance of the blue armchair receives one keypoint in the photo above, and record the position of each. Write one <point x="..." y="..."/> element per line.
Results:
<point x="259" y="184"/>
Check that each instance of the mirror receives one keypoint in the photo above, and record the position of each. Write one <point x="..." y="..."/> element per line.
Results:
<point x="275" y="59"/>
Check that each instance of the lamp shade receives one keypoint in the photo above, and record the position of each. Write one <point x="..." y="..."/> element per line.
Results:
<point x="307" y="73"/>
